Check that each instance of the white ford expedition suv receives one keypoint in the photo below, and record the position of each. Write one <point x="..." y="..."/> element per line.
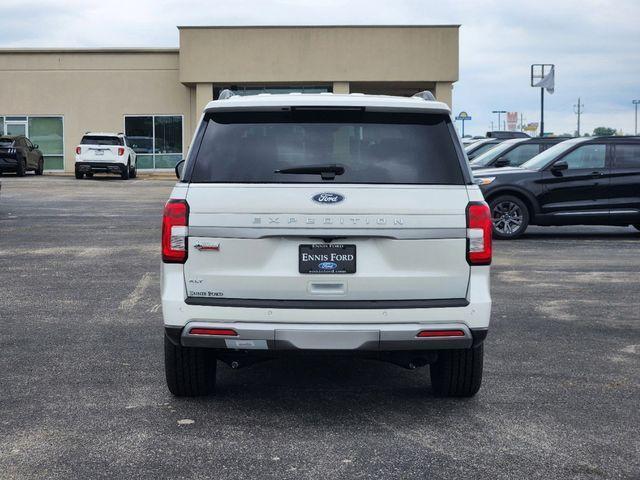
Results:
<point x="321" y="223"/>
<point x="105" y="152"/>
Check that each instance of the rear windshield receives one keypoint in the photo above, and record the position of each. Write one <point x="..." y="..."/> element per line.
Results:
<point x="367" y="147"/>
<point x="100" y="140"/>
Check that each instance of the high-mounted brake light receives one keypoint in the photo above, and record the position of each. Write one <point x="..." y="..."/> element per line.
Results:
<point x="78" y="150"/>
<point x="479" y="233"/>
<point x="223" y="332"/>
<point x="440" y="333"/>
<point x="120" y="151"/>
<point x="175" y="223"/>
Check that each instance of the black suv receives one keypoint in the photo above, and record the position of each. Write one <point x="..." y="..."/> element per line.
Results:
<point x="18" y="154"/>
<point x="514" y="152"/>
<point x="582" y="181"/>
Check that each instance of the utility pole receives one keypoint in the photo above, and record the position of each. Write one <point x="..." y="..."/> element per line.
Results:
<point x="498" y="112"/>
<point x="636" y="102"/>
<point x="578" y="111"/>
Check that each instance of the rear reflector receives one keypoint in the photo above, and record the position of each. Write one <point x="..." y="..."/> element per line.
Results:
<point x="78" y="150"/>
<point x="225" y="332"/>
<point x="174" y="231"/>
<point x="120" y="151"/>
<point x="479" y="232"/>
<point x="440" y="333"/>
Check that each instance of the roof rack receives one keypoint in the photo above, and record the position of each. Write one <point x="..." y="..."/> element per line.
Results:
<point x="226" y="94"/>
<point x="425" y="95"/>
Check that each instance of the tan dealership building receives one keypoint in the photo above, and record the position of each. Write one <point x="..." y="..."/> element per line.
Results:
<point x="156" y="96"/>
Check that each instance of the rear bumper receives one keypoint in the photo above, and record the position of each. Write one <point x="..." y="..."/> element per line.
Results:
<point x="8" y="163"/>
<point x="108" y="167"/>
<point x="321" y="325"/>
<point x="269" y="337"/>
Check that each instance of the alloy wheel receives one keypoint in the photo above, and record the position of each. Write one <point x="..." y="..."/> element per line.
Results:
<point x="507" y="218"/>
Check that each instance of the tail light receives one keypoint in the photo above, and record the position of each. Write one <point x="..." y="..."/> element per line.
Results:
<point x="78" y="150"/>
<point x="174" y="231"/>
<point x="440" y="333"/>
<point x="479" y="230"/>
<point x="120" y="151"/>
<point x="225" y="332"/>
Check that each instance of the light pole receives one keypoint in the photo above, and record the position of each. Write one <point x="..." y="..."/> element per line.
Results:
<point x="636" y="102"/>
<point x="498" y="112"/>
<point x="543" y="76"/>
<point x="578" y="111"/>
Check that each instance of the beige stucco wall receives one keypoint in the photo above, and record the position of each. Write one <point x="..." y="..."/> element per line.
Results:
<point x="93" y="90"/>
<point x="318" y="54"/>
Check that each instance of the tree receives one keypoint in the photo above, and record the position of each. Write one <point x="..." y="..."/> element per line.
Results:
<point x="603" y="131"/>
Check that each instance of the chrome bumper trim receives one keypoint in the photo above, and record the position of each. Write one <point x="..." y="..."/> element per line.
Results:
<point x="269" y="232"/>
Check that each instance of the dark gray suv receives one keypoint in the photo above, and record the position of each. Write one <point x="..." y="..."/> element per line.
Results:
<point x="18" y="154"/>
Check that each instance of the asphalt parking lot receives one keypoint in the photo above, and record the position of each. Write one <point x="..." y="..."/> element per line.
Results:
<point x="82" y="390"/>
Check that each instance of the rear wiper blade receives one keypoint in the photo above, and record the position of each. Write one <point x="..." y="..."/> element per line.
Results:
<point x="326" y="172"/>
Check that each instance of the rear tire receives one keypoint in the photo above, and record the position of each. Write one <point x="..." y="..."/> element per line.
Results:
<point x="457" y="373"/>
<point x="510" y="217"/>
<point x="40" y="167"/>
<point x="190" y="372"/>
<point x="21" y="167"/>
<point x="124" y="173"/>
<point x="79" y="175"/>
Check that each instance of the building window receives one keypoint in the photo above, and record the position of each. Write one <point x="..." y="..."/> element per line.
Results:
<point x="156" y="139"/>
<point x="45" y="131"/>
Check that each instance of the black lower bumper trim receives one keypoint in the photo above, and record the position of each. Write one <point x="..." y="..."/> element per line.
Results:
<point x="478" y="334"/>
<point x="100" y="167"/>
<point x="326" y="304"/>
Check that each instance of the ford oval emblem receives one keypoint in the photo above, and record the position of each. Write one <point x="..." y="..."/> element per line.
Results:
<point x="327" y="197"/>
<point x="327" y="266"/>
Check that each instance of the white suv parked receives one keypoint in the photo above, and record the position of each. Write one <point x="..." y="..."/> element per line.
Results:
<point x="105" y="152"/>
<point x="326" y="223"/>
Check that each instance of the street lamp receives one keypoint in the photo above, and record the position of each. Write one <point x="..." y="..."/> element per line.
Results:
<point x="636" y="102"/>
<point x="498" y="112"/>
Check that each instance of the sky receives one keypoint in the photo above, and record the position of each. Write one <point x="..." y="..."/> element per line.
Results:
<point x="594" y="44"/>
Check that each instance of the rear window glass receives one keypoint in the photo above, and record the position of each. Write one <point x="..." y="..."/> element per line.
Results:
<point x="100" y="140"/>
<point x="628" y="156"/>
<point x="369" y="147"/>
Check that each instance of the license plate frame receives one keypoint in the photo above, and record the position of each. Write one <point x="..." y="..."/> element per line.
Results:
<point x="327" y="259"/>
